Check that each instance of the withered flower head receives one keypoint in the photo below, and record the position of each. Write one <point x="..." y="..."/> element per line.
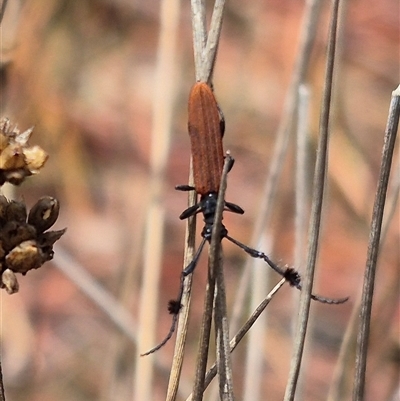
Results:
<point x="24" y="242"/>
<point x="17" y="159"/>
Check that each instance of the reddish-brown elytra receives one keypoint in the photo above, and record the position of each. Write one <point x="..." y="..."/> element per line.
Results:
<point x="205" y="138"/>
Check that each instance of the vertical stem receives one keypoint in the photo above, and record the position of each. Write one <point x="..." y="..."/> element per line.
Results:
<point x="210" y="52"/>
<point x="181" y="333"/>
<point x="373" y="246"/>
<point x="213" y="265"/>
<point x="163" y="101"/>
<point x="315" y="219"/>
<point x="224" y="364"/>
<point x="199" y="35"/>
<point x="307" y="39"/>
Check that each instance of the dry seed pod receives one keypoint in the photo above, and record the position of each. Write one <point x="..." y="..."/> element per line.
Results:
<point x="35" y="158"/>
<point x="14" y="233"/>
<point x="50" y="237"/>
<point x="12" y="157"/>
<point x="46" y="242"/>
<point x="17" y="159"/>
<point x="44" y="213"/>
<point x="22" y="138"/>
<point x="3" y="141"/>
<point x="16" y="211"/>
<point x="24" y="257"/>
<point x="2" y="251"/>
<point x="3" y="208"/>
<point x="9" y="281"/>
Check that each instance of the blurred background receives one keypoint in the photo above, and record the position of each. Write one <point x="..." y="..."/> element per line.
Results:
<point x="87" y="75"/>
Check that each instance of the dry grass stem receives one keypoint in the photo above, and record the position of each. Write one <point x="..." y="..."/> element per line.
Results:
<point x="206" y="45"/>
<point x="163" y="104"/>
<point x="97" y="294"/>
<point x="212" y="372"/>
<point x="315" y="219"/>
<point x="285" y="130"/>
<point x="210" y="52"/>
<point x="199" y="32"/>
<point x="254" y="363"/>
<point x="223" y="354"/>
<point x="303" y="126"/>
<point x="177" y="361"/>
<point x="373" y="246"/>
<point x="214" y="263"/>
<point x="340" y="388"/>
<point x="302" y="180"/>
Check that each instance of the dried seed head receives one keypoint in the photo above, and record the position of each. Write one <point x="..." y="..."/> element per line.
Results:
<point x="35" y="157"/>
<point x="24" y="242"/>
<point x="13" y="233"/>
<point x="44" y="213"/>
<point x="3" y="141"/>
<point x="16" y="211"/>
<point x="17" y="159"/>
<point x="9" y="281"/>
<point x="46" y="242"/>
<point x="3" y="209"/>
<point x="24" y="257"/>
<point x="12" y="157"/>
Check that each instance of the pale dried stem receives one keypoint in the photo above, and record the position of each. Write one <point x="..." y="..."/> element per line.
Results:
<point x="177" y="361"/>
<point x="285" y="130"/>
<point x="316" y="211"/>
<point x="341" y="383"/>
<point x="163" y="105"/>
<point x="373" y="246"/>
<point x="212" y="372"/>
<point x="214" y="263"/>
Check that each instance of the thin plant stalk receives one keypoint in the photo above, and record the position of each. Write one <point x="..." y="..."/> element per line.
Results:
<point x="102" y="298"/>
<point x="301" y="198"/>
<point x="199" y="32"/>
<point x="341" y="384"/>
<point x="316" y="211"/>
<point x="223" y="354"/>
<point x="254" y="373"/>
<point x="212" y="372"/>
<point x="181" y="334"/>
<point x="303" y="123"/>
<point x="210" y="52"/>
<point x="206" y="46"/>
<point x="213" y="265"/>
<point x="163" y="103"/>
<point x="205" y="50"/>
<point x="285" y="130"/>
<point x="373" y="246"/>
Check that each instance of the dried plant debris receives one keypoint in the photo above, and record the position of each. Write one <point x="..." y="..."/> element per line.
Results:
<point x="24" y="242"/>
<point x="17" y="159"/>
